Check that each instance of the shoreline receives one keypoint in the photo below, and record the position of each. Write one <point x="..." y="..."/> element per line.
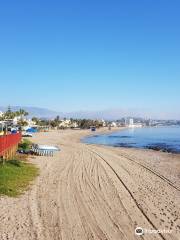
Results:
<point x="92" y="190"/>
<point x="157" y="147"/>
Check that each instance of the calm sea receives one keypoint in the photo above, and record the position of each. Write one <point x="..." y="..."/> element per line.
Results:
<point x="166" y="139"/>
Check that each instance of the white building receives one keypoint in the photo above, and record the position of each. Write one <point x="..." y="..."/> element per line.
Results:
<point x="68" y="124"/>
<point x="15" y="120"/>
<point x="130" y="123"/>
<point x="31" y="123"/>
<point x="1" y="114"/>
<point x="103" y="123"/>
<point x="113" y="124"/>
<point x="64" y="123"/>
<point x="74" y="125"/>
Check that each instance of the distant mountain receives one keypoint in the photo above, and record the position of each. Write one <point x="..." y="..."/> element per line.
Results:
<point x="34" y="111"/>
<point x="108" y="114"/>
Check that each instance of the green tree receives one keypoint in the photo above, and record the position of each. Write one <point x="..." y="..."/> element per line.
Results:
<point x="36" y="120"/>
<point x="22" y="123"/>
<point x="22" y="113"/>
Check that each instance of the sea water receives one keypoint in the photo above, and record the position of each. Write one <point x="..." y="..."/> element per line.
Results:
<point x="166" y="139"/>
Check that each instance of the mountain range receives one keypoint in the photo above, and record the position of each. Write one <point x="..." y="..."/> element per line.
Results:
<point x="107" y="114"/>
<point x="50" y="114"/>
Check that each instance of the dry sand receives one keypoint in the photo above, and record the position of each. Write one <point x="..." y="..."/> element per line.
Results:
<point x="95" y="192"/>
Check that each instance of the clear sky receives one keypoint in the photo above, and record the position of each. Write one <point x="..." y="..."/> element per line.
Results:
<point x="89" y="55"/>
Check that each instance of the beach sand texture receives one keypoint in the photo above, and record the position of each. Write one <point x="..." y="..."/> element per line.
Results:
<point x="95" y="192"/>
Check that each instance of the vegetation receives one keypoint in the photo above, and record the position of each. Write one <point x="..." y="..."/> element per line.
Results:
<point x="24" y="146"/>
<point x="87" y="123"/>
<point x="55" y="123"/>
<point x="22" y="123"/>
<point x="15" y="177"/>
<point x="81" y="123"/>
<point x="41" y="122"/>
<point x="9" y="114"/>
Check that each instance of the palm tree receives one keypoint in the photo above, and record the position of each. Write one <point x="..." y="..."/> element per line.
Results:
<point x="9" y="114"/>
<point x="22" y="113"/>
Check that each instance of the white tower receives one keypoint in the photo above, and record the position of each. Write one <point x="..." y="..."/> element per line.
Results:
<point x="131" y="121"/>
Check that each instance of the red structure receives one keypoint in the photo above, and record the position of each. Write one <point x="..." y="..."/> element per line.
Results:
<point x="9" y="144"/>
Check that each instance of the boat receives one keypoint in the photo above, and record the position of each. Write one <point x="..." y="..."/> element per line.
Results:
<point x="44" y="150"/>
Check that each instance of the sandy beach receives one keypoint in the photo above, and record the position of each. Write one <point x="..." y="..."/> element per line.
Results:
<point x="95" y="192"/>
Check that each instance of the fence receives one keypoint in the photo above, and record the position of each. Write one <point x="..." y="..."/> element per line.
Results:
<point x="9" y="145"/>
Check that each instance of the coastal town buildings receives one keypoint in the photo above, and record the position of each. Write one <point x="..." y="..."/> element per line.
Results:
<point x="73" y="124"/>
<point x="132" y="124"/>
<point x="65" y="123"/>
<point x="113" y="124"/>
<point x="104" y="124"/>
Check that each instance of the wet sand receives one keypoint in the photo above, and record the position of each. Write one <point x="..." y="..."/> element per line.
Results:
<point x="95" y="192"/>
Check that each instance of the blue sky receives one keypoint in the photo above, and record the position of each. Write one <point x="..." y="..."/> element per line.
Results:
<point x="91" y="55"/>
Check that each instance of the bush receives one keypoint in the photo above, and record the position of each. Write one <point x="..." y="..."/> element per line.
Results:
<point x="25" y="146"/>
